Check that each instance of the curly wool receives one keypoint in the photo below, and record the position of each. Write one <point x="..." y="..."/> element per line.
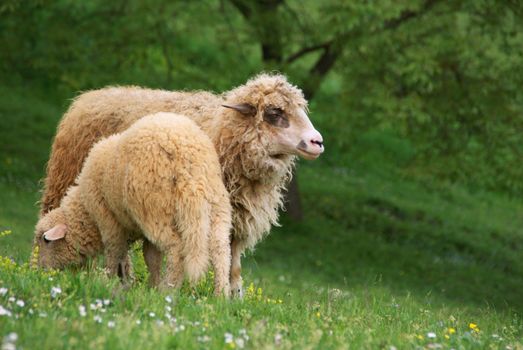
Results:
<point x="160" y="177"/>
<point x="255" y="182"/>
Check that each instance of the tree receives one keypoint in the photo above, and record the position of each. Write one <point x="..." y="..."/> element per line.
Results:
<point x="269" y="20"/>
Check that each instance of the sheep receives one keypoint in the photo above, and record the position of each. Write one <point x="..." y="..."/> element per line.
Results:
<point x="258" y="129"/>
<point x="160" y="177"/>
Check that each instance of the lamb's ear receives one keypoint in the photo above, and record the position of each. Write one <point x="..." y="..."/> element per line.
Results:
<point x="246" y="109"/>
<point x="56" y="233"/>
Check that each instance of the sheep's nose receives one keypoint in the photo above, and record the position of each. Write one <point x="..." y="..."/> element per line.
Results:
<point x="315" y="142"/>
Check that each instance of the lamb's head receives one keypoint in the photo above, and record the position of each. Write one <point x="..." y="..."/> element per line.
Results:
<point x="274" y="114"/>
<point x="55" y="247"/>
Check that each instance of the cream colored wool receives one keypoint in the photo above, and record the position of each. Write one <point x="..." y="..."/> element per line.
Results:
<point x="161" y="177"/>
<point x="256" y="167"/>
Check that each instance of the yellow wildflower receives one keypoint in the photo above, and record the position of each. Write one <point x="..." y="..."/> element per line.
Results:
<point x="452" y="330"/>
<point x="474" y="327"/>
<point x="318" y="314"/>
<point x="5" y="233"/>
<point x="446" y="336"/>
<point x="419" y="336"/>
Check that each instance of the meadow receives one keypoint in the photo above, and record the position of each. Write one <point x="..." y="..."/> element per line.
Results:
<point x="384" y="259"/>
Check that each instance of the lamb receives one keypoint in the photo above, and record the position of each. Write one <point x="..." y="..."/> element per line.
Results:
<point x="160" y="177"/>
<point x="257" y="129"/>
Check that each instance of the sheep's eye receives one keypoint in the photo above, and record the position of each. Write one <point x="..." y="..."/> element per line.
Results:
<point x="276" y="116"/>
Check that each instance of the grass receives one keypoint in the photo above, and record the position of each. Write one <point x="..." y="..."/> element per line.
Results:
<point x="382" y="260"/>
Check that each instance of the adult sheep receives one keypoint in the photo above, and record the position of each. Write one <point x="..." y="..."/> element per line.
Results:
<point x="159" y="180"/>
<point x="258" y="129"/>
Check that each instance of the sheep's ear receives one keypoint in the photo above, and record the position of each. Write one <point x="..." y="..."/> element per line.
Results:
<point x="56" y="233"/>
<point x="246" y="109"/>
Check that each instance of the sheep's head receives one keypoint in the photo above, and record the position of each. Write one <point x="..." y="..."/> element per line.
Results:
<point x="277" y="111"/>
<point x="56" y="249"/>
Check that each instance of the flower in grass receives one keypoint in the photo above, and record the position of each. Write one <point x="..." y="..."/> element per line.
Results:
<point x="451" y="330"/>
<point x="431" y="335"/>
<point x="3" y="291"/>
<point x="240" y="342"/>
<point x="9" y="341"/>
<point x="82" y="310"/>
<point x="106" y="302"/>
<point x="4" y="312"/>
<point x="228" y="338"/>
<point x="474" y="327"/>
<point x="138" y="322"/>
<point x="152" y="314"/>
<point x="97" y="319"/>
<point x="420" y="337"/>
<point x="203" y="338"/>
<point x="20" y="303"/>
<point x="111" y="324"/>
<point x="55" y="291"/>
<point x="277" y="339"/>
<point x="169" y="299"/>
<point x="11" y="299"/>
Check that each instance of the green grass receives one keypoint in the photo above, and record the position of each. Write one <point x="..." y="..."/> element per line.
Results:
<point x="381" y="260"/>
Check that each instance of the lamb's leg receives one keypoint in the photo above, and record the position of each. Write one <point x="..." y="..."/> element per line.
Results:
<point x="117" y="261"/>
<point x="114" y="236"/>
<point x="153" y="260"/>
<point x="220" y="248"/>
<point x="237" y="248"/>
<point x="174" y="263"/>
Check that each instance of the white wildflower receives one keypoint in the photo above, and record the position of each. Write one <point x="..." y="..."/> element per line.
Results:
<point x="111" y="324"/>
<point x="97" y="318"/>
<point x="169" y="299"/>
<point x="20" y="303"/>
<point x="55" y="291"/>
<point x="11" y="299"/>
<point x="4" y="312"/>
<point x="240" y="343"/>
<point x="168" y="308"/>
<point x="43" y="314"/>
<point x="278" y="338"/>
<point x="431" y="335"/>
<point x="3" y="291"/>
<point x="152" y="314"/>
<point x="9" y="341"/>
<point x="203" y="338"/>
<point x="138" y="322"/>
<point x="11" y="337"/>
<point x="228" y="338"/>
<point x="107" y="302"/>
<point x="82" y="310"/>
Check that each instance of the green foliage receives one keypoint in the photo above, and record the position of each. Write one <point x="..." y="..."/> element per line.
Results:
<point x="444" y="75"/>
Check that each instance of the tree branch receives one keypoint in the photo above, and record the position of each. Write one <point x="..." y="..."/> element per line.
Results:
<point x="306" y="50"/>
<point x="409" y="14"/>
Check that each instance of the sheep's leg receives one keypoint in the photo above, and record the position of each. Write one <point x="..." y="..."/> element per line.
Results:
<point x="153" y="260"/>
<point x="237" y="249"/>
<point x="221" y="250"/>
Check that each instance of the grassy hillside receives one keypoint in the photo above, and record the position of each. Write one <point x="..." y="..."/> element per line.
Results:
<point x="382" y="260"/>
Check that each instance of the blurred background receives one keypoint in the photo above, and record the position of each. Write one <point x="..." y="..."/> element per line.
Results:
<point x="420" y="104"/>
